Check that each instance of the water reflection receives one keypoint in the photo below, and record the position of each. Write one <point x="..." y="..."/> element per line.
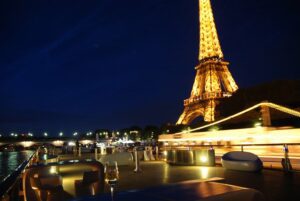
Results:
<point x="204" y="172"/>
<point x="9" y="161"/>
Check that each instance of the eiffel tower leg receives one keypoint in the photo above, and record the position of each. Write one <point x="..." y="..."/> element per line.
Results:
<point x="189" y="114"/>
<point x="209" y="111"/>
<point x="183" y="117"/>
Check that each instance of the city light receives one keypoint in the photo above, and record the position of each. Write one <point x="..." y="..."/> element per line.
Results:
<point x="27" y="143"/>
<point x="71" y="143"/>
<point x="45" y="134"/>
<point x="75" y="134"/>
<point x="214" y="128"/>
<point x="257" y="124"/>
<point x="58" y="143"/>
<point x="85" y="142"/>
<point x="61" y="134"/>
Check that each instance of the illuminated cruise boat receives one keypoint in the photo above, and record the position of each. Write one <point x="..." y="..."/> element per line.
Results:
<point x="265" y="141"/>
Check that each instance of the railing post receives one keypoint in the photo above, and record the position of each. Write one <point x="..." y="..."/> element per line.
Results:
<point x="137" y="161"/>
<point x="285" y="162"/>
<point x="146" y="157"/>
<point x="101" y="150"/>
<point x="79" y="152"/>
<point x="151" y="154"/>
<point x="156" y="152"/>
<point x="242" y="148"/>
<point x="96" y="153"/>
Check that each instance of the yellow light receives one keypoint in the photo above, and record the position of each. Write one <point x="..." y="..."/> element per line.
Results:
<point x="71" y="143"/>
<point x="58" y="143"/>
<point x="203" y="159"/>
<point x="257" y="125"/>
<point x="215" y="128"/>
<point x="85" y="142"/>
<point x="53" y="170"/>
<point x="27" y="143"/>
<point x="204" y="172"/>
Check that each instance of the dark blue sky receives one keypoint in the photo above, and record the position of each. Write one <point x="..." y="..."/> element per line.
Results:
<point x="78" y="65"/>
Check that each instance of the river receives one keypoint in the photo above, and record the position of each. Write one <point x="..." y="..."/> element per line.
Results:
<point x="9" y="161"/>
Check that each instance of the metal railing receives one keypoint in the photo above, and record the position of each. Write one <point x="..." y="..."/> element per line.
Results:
<point x="10" y="185"/>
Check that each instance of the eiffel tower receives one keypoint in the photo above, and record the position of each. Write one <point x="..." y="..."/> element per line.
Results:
<point x="213" y="80"/>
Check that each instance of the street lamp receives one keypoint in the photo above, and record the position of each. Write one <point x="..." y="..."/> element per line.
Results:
<point x="61" y="134"/>
<point x="45" y="134"/>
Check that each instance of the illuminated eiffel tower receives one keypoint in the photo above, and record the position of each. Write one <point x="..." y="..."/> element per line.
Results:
<point x="213" y="80"/>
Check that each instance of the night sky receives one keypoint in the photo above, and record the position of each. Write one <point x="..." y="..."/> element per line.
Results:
<point x="79" y="65"/>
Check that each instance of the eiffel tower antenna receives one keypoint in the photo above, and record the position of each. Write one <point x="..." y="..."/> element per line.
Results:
<point x="213" y="80"/>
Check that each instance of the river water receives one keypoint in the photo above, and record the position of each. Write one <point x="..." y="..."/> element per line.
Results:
<point x="9" y="161"/>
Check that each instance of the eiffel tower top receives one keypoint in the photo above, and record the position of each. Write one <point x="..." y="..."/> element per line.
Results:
<point x="209" y="41"/>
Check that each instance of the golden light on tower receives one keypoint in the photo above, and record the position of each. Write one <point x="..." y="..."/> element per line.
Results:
<point x="213" y="80"/>
<point x="209" y="42"/>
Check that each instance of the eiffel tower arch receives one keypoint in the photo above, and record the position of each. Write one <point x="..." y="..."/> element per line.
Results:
<point x="213" y="80"/>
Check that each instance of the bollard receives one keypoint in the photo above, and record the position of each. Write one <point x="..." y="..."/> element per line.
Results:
<point x="79" y="152"/>
<point x="96" y="153"/>
<point x="137" y="162"/>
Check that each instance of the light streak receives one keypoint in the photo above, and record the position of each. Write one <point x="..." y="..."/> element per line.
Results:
<point x="271" y="105"/>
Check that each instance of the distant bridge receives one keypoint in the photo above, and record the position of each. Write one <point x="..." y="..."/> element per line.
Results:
<point x="55" y="142"/>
